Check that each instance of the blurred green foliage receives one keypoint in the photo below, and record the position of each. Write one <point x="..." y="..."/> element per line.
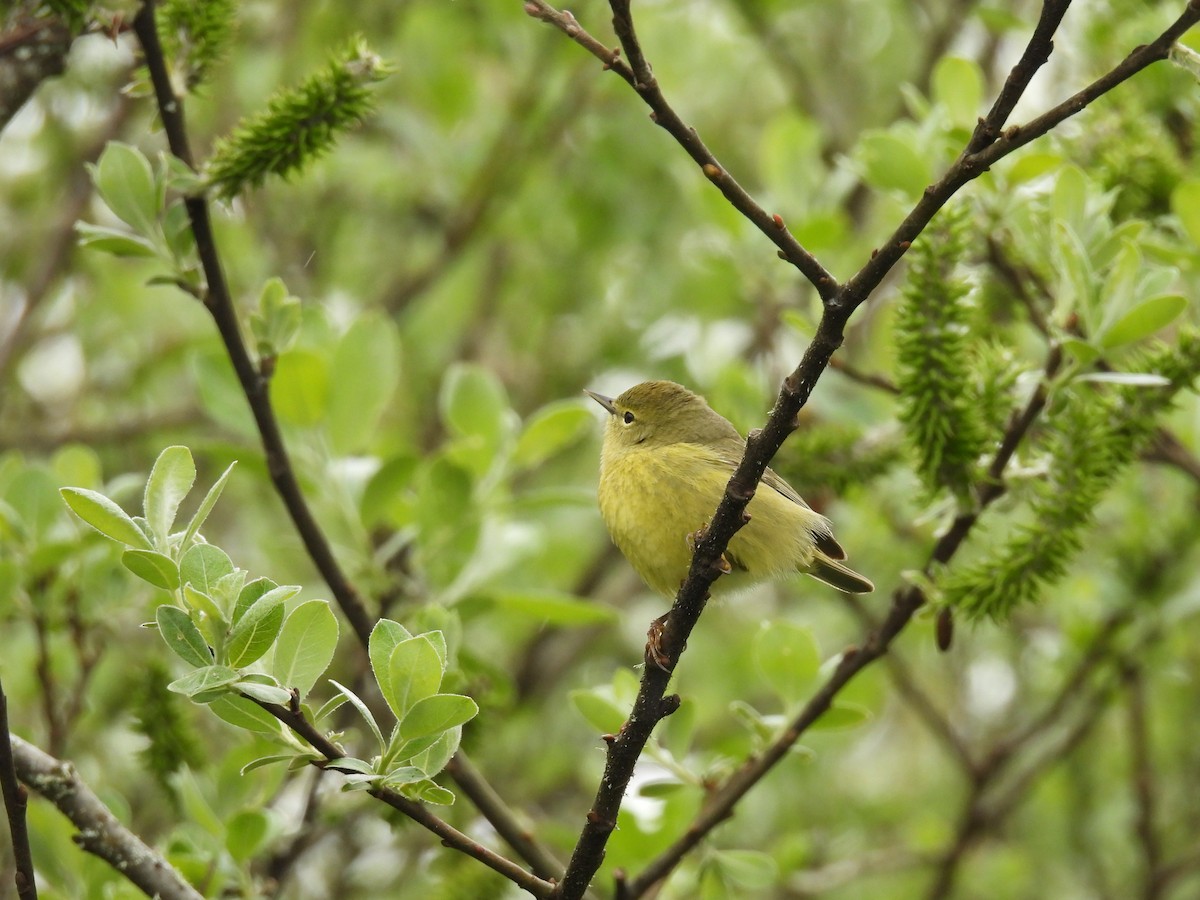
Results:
<point x="433" y="294"/>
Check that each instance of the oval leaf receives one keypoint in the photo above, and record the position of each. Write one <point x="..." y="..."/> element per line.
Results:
<point x="199" y="681"/>
<point x="1145" y="319"/>
<point x="182" y="636"/>
<point x="172" y="477"/>
<point x="305" y="645"/>
<point x="788" y="657"/>
<point x="253" y="635"/>
<point x="158" y="569"/>
<point x="414" y="673"/>
<point x="435" y="714"/>
<point x="202" y="566"/>
<point x="105" y="516"/>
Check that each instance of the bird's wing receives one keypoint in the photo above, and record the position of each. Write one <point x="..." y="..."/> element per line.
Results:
<point x="731" y="454"/>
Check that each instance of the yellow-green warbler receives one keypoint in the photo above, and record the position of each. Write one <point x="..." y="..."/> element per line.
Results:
<point x="666" y="461"/>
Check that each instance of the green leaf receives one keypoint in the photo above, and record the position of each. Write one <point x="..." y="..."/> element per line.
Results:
<point x="245" y="834"/>
<point x="203" y="565"/>
<point x="264" y="693"/>
<point x="749" y="869"/>
<point x="473" y="402"/>
<point x="351" y="764"/>
<point x="383" y="640"/>
<point x="958" y="85"/>
<point x="206" y="679"/>
<point x="840" y="716"/>
<point x="788" y="658"/>
<point x="170" y="480"/>
<point x="551" y="429"/>
<point x="253" y="634"/>
<point x="110" y="240"/>
<point x="266" y="760"/>
<point x="182" y="636"/>
<point x="125" y="182"/>
<point x="892" y="163"/>
<point x="366" y="367"/>
<point x="305" y="646"/>
<point x="158" y="569"/>
<point x="245" y="714"/>
<point x="300" y="387"/>
<point x="1185" y="203"/>
<point x="600" y="712"/>
<point x="206" y="505"/>
<point x="414" y="673"/>
<point x="250" y="594"/>
<point x="435" y="757"/>
<point x="1144" y="320"/>
<point x="552" y="608"/>
<point x="428" y="792"/>
<point x="435" y="714"/>
<point x="212" y="623"/>
<point x="105" y="516"/>
<point x="277" y="318"/>
<point x="362" y="711"/>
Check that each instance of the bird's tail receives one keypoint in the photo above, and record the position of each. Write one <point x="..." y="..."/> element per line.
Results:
<point x="838" y="576"/>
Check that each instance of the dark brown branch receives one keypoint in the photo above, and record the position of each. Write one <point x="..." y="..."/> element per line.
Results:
<point x="839" y="304"/>
<point x="418" y="812"/>
<point x="15" y="801"/>
<point x="254" y="384"/>
<point x="100" y="832"/>
<point x="641" y="79"/>
<point x="493" y="808"/>
<point x="1143" y="782"/>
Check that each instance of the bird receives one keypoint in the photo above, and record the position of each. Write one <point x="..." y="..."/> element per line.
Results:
<point x="666" y="459"/>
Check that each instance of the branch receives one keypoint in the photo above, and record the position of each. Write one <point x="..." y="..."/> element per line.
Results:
<point x="1143" y="781"/>
<point x="220" y="305"/>
<point x="651" y="706"/>
<point x="638" y="75"/>
<point x="254" y="383"/>
<point x="100" y="833"/>
<point x="16" y="798"/>
<point x="905" y="602"/>
<point x="418" y="812"/>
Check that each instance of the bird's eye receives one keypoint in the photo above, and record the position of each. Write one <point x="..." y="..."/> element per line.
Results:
<point x="628" y="417"/>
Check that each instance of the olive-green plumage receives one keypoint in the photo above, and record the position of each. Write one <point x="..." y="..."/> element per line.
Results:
<point x="666" y="460"/>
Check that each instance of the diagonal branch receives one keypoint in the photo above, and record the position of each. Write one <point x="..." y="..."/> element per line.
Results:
<point x="905" y="602"/>
<point x="418" y="812"/>
<point x="100" y="832"/>
<point x="642" y="80"/>
<point x="651" y="704"/>
<point x="255" y="386"/>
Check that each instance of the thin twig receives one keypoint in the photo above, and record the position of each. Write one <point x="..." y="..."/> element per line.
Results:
<point x="1141" y="773"/>
<point x="15" y="801"/>
<point x="99" y="831"/>
<point x="987" y="146"/>
<point x="638" y="75"/>
<point x="418" y="812"/>
<point x="219" y="302"/>
<point x="493" y="808"/>
<point x="905" y="602"/>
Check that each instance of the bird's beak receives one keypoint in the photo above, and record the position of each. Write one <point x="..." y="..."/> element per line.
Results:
<point x="606" y="402"/>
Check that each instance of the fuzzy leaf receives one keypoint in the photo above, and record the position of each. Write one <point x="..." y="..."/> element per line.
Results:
<point x="182" y="636"/>
<point x="105" y="516"/>
<point x="305" y="645"/>
<point x="156" y="568"/>
<point x="170" y="480"/>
